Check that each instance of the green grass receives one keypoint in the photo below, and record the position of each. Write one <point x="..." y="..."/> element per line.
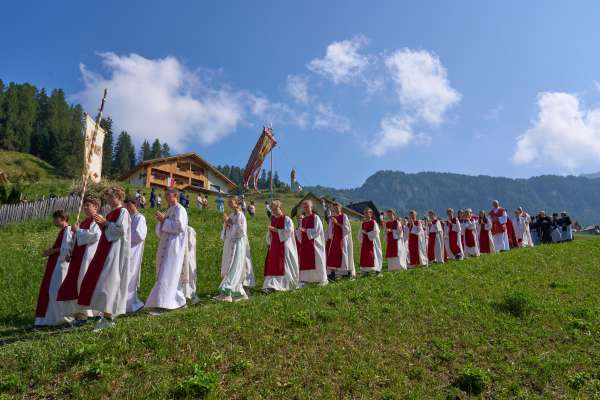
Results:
<point x="518" y="325"/>
<point x="23" y="166"/>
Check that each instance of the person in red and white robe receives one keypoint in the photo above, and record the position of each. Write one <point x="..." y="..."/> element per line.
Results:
<point x="395" y="249"/>
<point x="484" y="234"/>
<point x="86" y="236"/>
<point x="281" y="264"/>
<point x="435" y="239"/>
<point x="49" y="311"/>
<point x="453" y="236"/>
<point x="311" y="244"/>
<point x="340" y="257"/>
<point x="470" y="233"/>
<point x="417" y="246"/>
<point x="104" y="286"/>
<point x="371" y="258"/>
<point x="499" y="217"/>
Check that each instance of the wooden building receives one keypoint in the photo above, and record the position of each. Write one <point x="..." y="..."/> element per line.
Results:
<point x="188" y="171"/>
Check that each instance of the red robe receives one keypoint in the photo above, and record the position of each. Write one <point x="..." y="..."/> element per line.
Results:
<point x="391" y="250"/>
<point x="367" y="249"/>
<point x="431" y="243"/>
<point x="275" y="260"/>
<point x="453" y="237"/>
<point x="44" y="296"/>
<point x="484" y="239"/>
<point x="512" y="237"/>
<point x="334" y="254"/>
<point x="307" y="250"/>
<point x="413" y="245"/>
<point x="470" y="238"/>
<point x="68" y="289"/>
<point x="497" y="227"/>
<point x="92" y="275"/>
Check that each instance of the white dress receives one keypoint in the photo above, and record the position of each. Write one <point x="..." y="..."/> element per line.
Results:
<point x="347" y="267"/>
<point x="189" y="271"/>
<point x="438" y="244"/>
<point x="317" y="235"/>
<point x="236" y="263"/>
<point x="291" y="277"/>
<point x="373" y="236"/>
<point x="400" y="262"/>
<point x="167" y="292"/>
<point x="453" y="226"/>
<point x="139" y="230"/>
<point x="470" y="227"/>
<point x="110" y="291"/>
<point x="57" y="312"/>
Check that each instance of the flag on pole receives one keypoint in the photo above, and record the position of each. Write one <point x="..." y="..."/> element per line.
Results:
<point x="170" y="182"/>
<point x="94" y="167"/>
<point x="265" y="144"/>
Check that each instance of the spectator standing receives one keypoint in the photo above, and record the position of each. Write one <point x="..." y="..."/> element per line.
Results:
<point x="252" y="209"/>
<point x="152" y="198"/>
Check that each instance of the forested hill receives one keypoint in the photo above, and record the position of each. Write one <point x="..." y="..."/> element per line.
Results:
<point x="433" y="190"/>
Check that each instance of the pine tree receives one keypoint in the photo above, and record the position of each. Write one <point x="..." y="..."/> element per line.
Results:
<point x="124" y="158"/>
<point x="19" y="107"/>
<point x="156" y="150"/>
<point x="73" y="161"/>
<point x="166" y="150"/>
<point x="39" y="140"/>
<point x="145" y="151"/>
<point x="107" y="147"/>
<point x="59" y="127"/>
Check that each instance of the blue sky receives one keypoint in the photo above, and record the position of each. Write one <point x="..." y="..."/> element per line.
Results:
<point x="503" y="88"/>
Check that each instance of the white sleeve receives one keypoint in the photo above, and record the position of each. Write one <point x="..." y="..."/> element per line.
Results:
<point x="347" y="228"/>
<point x="116" y="230"/>
<point x="239" y="229"/>
<point x="396" y="233"/>
<point x="88" y="236"/>
<point x="298" y="234"/>
<point x="503" y="218"/>
<point x="316" y="231"/>
<point x="287" y="231"/>
<point x="175" y="224"/>
<point x="138" y="235"/>
<point x="374" y="233"/>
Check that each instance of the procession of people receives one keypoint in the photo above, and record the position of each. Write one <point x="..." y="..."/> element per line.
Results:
<point x="93" y="268"/>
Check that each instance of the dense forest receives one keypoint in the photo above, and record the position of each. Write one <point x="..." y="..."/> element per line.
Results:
<point x="433" y="190"/>
<point x="47" y="126"/>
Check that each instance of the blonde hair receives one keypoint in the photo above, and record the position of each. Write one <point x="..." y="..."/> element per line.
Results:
<point x="276" y="203"/>
<point x="116" y="191"/>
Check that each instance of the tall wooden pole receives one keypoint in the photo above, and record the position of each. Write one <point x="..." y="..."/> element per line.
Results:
<point x="88" y="159"/>
<point x="271" y="183"/>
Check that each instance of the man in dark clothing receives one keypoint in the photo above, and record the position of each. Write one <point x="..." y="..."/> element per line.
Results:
<point x="544" y="226"/>
<point x="152" y="198"/>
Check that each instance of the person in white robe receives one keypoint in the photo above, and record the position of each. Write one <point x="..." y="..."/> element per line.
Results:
<point x="453" y="237"/>
<point x="281" y="265"/>
<point x="139" y="230"/>
<point x="104" y="286"/>
<point x="171" y="228"/>
<point x="498" y="218"/>
<point x="417" y="245"/>
<point x="371" y="255"/>
<point x="395" y="249"/>
<point x="310" y="238"/>
<point x="189" y="271"/>
<point x="470" y="234"/>
<point x="236" y="261"/>
<point x="86" y="235"/>
<point x="519" y="222"/>
<point x="340" y="254"/>
<point x="49" y="311"/>
<point x="435" y="239"/>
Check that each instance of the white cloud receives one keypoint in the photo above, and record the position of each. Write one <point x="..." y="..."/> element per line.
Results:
<point x="297" y="88"/>
<point x="326" y="118"/>
<point x="494" y="112"/>
<point x="342" y="62"/>
<point x="162" y="98"/>
<point x="421" y="84"/>
<point x="597" y="85"/>
<point x="564" y="134"/>
<point x="394" y="132"/>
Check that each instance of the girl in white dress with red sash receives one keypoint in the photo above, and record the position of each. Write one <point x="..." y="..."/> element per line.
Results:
<point x="310" y="239"/>
<point x="395" y="249"/>
<point x="371" y="258"/>
<point x="435" y="239"/>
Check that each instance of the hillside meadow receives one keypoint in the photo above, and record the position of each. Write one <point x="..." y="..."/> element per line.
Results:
<point x="518" y="325"/>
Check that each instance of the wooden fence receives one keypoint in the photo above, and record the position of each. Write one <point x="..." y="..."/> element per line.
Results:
<point x="15" y="213"/>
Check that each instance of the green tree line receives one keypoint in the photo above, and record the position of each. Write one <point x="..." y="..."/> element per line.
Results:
<point x="47" y="126"/>
<point x="236" y="174"/>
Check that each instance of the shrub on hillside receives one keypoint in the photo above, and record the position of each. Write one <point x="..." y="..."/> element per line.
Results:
<point x="472" y="380"/>
<point x="200" y="384"/>
<point x="516" y="304"/>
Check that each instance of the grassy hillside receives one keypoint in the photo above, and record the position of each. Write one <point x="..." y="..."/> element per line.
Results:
<point x="23" y="166"/>
<point x="518" y="325"/>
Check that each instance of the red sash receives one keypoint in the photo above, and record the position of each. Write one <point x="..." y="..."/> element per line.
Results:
<point x="68" y="289"/>
<point x="497" y="227"/>
<point x="307" y="251"/>
<point x="391" y="250"/>
<point x="469" y="237"/>
<point x="512" y="237"/>
<point x="334" y="255"/>
<point x="44" y="295"/>
<point x="367" y="249"/>
<point x="413" y="248"/>
<point x="275" y="261"/>
<point x="92" y="275"/>
<point x="431" y="243"/>
<point x="484" y="240"/>
<point x="453" y="238"/>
